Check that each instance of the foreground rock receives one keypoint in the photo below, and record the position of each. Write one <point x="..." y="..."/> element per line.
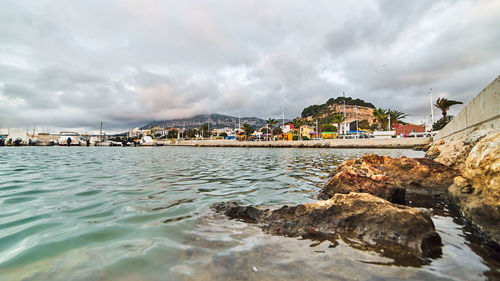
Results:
<point x="387" y="177"/>
<point x="362" y="216"/>
<point x="477" y="189"/>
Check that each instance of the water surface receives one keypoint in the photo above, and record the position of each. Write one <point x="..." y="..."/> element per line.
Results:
<point x="110" y="213"/>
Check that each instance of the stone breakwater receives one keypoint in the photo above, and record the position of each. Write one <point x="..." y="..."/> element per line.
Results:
<point x="476" y="190"/>
<point x="357" y="205"/>
<point x="414" y="143"/>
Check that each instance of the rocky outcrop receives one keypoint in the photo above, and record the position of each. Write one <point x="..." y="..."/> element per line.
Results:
<point x="388" y="178"/>
<point x="360" y="216"/>
<point x="477" y="189"/>
<point x="453" y="151"/>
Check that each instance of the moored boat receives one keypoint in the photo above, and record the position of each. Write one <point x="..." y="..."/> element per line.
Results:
<point x="69" y="139"/>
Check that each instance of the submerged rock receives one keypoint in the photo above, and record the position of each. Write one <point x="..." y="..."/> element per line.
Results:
<point x="477" y="189"/>
<point x="387" y="177"/>
<point x="372" y="220"/>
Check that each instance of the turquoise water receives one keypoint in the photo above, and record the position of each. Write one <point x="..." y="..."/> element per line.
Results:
<point x="110" y="213"/>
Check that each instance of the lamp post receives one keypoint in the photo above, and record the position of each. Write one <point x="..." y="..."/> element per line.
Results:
<point x="432" y="108"/>
<point x="357" y="130"/>
<point x="345" y="120"/>
<point x="317" y="131"/>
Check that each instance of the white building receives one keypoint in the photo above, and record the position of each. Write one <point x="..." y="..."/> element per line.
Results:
<point x="286" y="128"/>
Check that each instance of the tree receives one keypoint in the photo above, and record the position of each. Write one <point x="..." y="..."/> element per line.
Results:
<point x="328" y="128"/>
<point x="190" y="133"/>
<point x="365" y="125"/>
<point x="337" y="119"/>
<point x="271" y="122"/>
<point x="223" y="134"/>
<point x="204" y="130"/>
<point x="396" y="116"/>
<point x="248" y="129"/>
<point x="380" y="116"/>
<point x="277" y="131"/>
<point x="171" y="134"/>
<point x="298" y="122"/>
<point x="444" y="104"/>
<point x="439" y="124"/>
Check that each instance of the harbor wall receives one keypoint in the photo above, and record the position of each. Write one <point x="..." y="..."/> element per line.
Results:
<point x="483" y="111"/>
<point x="334" y="143"/>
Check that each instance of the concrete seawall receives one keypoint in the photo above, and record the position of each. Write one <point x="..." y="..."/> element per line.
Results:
<point x="483" y="111"/>
<point x="335" y="143"/>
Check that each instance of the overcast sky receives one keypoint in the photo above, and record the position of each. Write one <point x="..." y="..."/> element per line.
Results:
<point x="74" y="63"/>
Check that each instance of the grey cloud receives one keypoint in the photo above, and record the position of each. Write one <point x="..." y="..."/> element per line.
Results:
<point x="75" y="64"/>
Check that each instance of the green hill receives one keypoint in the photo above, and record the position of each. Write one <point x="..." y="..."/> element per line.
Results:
<point x="316" y="110"/>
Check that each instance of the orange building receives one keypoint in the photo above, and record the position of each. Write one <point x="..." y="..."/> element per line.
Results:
<point x="409" y="128"/>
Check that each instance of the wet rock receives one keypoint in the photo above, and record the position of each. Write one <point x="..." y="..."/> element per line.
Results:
<point x="360" y="216"/>
<point x="388" y="178"/>
<point x="477" y="189"/>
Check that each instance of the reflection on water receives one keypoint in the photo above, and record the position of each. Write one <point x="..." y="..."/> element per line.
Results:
<point x="101" y="213"/>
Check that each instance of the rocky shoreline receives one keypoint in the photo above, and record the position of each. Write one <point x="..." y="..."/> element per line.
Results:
<point x="476" y="190"/>
<point x="365" y="198"/>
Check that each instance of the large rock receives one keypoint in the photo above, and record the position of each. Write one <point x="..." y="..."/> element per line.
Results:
<point x="387" y="177"/>
<point x="453" y="151"/>
<point x="361" y="216"/>
<point x="477" y="190"/>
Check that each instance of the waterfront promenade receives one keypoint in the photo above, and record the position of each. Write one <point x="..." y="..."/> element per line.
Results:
<point x="333" y="143"/>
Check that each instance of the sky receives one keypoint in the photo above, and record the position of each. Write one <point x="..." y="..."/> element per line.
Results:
<point x="72" y="64"/>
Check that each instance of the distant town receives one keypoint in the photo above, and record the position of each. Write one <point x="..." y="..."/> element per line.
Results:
<point x="338" y="118"/>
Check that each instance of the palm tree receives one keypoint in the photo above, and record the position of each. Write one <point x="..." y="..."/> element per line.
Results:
<point x="338" y="118"/>
<point x="380" y="116"/>
<point x="248" y="129"/>
<point x="396" y="116"/>
<point x="271" y="122"/>
<point x="298" y="122"/>
<point x="204" y="130"/>
<point x="444" y="104"/>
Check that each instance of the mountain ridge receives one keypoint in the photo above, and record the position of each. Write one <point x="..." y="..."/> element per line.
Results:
<point x="216" y="121"/>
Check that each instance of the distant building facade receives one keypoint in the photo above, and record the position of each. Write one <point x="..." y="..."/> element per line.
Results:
<point x="409" y="128"/>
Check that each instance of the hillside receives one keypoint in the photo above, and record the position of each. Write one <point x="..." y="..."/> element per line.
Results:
<point x="336" y="105"/>
<point x="216" y="121"/>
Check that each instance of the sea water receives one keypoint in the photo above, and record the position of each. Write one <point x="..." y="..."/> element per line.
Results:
<point x="143" y="213"/>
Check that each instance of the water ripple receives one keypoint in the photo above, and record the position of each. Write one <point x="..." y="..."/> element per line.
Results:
<point x="128" y="213"/>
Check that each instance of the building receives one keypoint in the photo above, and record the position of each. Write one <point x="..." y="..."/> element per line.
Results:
<point x="138" y="133"/>
<point x="287" y="128"/>
<point x="306" y="131"/>
<point x="409" y="128"/>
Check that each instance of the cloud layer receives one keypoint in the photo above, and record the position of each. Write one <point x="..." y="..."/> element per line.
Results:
<point x="72" y="64"/>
